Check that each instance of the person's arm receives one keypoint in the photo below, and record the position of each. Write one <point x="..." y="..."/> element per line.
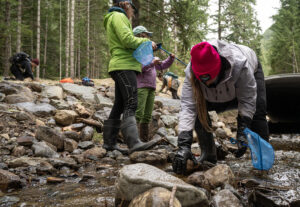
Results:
<point x="27" y="66"/>
<point x="124" y="32"/>
<point x="165" y="63"/>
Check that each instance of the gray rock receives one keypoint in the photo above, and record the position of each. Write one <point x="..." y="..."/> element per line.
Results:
<point x="84" y="93"/>
<point x="86" y="145"/>
<point x="41" y="110"/>
<point x="18" y="98"/>
<point x="35" y="87"/>
<point x="214" y="116"/>
<point x="18" y="151"/>
<point x="225" y="198"/>
<point x="9" y="180"/>
<point x="172" y="139"/>
<point x="103" y="101"/>
<point x="150" y="156"/>
<point x="220" y="132"/>
<point x="71" y="100"/>
<point x="61" y="162"/>
<point x="155" y="197"/>
<point x="40" y="163"/>
<point x="138" y="178"/>
<point x="65" y="117"/>
<point x="41" y="149"/>
<point x="95" y="152"/>
<point x="70" y="145"/>
<point x="45" y="100"/>
<point x="51" y="122"/>
<point x="3" y="107"/>
<point x="169" y="104"/>
<point x="87" y="133"/>
<point x="53" y="92"/>
<point x="9" y="200"/>
<point x="170" y="120"/>
<point x="2" y="97"/>
<point x="50" y="135"/>
<point x="24" y="116"/>
<point x="286" y="143"/>
<point x="162" y="132"/>
<point x="9" y="88"/>
<point x="78" y="126"/>
<point x="72" y="135"/>
<point x="60" y="104"/>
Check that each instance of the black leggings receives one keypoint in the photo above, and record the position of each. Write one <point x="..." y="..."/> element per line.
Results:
<point x="125" y="94"/>
<point x="259" y="122"/>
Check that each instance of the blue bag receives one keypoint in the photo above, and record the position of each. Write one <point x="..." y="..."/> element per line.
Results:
<point x="262" y="152"/>
<point x="144" y="53"/>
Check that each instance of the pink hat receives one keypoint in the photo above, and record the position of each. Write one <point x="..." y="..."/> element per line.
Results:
<point x="35" y="61"/>
<point x="205" y="60"/>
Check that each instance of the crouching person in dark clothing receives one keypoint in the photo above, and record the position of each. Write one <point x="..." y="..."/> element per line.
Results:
<point x="220" y="77"/>
<point x="22" y="66"/>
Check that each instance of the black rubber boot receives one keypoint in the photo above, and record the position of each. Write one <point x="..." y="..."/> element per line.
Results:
<point x="131" y="135"/>
<point x="111" y="129"/>
<point x="207" y="144"/>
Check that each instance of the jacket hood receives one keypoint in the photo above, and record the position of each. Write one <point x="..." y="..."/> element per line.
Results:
<point x="110" y="12"/>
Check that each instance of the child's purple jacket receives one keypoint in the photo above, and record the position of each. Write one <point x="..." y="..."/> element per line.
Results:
<point x="147" y="78"/>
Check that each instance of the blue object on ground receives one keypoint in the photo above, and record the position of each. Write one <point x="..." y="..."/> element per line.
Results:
<point x="262" y="152"/>
<point x="144" y="53"/>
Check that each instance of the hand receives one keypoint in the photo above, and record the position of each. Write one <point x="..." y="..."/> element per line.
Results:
<point x="172" y="55"/>
<point x="180" y="160"/>
<point x="154" y="46"/>
<point x="243" y="122"/>
<point x="156" y="61"/>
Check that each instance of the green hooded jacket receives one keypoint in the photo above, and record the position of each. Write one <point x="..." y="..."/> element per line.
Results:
<point x="121" y="41"/>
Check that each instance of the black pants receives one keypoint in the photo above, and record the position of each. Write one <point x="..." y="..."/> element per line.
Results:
<point x="174" y="93"/>
<point x="125" y="94"/>
<point x="259" y="122"/>
<point x="15" y="70"/>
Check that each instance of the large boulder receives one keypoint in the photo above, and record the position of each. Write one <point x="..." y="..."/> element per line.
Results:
<point x="138" y="178"/>
<point x="82" y="92"/>
<point x="16" y="93"/>
<point x="50" y="135"/>
<point x="65" y="117"/>
<point x="103" y="101"/>
<point x="9" y="180"/>
<point x="53" y="92"/>
<point x="41" y="110"/>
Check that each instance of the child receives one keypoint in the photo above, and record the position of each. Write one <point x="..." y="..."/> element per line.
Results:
<point x="146" y="83"/>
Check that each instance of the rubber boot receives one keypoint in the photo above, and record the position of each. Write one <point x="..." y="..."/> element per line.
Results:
<point x="111" y="129"/>
<point x="144" y="132"/>
<point x="130" y="133"/>
<point x="207" y="144"/>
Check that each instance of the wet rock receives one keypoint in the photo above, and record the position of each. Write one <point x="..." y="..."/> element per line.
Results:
<point x="3" y="166"/>
<point x="86" y="145"/>
<point x="71" y="100"/>
<point x="170" y="120"/>
<point x="9" y="200"/>
<point x="40" y="110"/>
<point x="55" y="180"/>
<point x="18" y="151"/>
<point x="173" y="140"/>
<point x="40" y="164"/>
<point x="225" y="198"/>
<point x="2" y="97"/>
<point x="60" y="104"/>
<point x="35" y="87"/>
<point x="82" y="92"/>
<point x="50" y="135"/>
<point x="51" y="122"/>
<point x="26" y="141"/>
<point x="65" y="117"/>
<point x="9" y="180"/>
<point x="286" y="143"/>
<point x="154" y="126"/>
<point x="8" y="88"/>
<point x="72" y="135"/>
<point x="53" y="92"/>
<point x="261" y="199"/>
<point x="138" y="178"/>
<point x="61" y="162"/>
<point x="162" y="132"/>
<point x="150" y="156"/>
<point x="213" y="116"/>
<point x="220" y="132"/>
<point x="18" y="98"/>
<point x="169" y="104"/>
<point x="70" y="145"/>
<point x="114" y="154"/>
<point x="154" y="197"/>
<point x="103" y="101"/>
<point x="78" y="126"/>
<point x="87" y="133"/>
<point x="41" y="149"/>
<point x="95" y="152"/>
<point x="24" y="116"/>
<point x="3" y="107"/>
<point x="39" y="123"/>
<point x="82" y="111"/>
<point x="215" y="177"/>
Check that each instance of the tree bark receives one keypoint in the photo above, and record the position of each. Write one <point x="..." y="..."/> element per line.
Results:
<point x="72" y="38"/>
<point x="19" y="26"/>
<point x="68" y="39"/>
<point x="219" y="20"/>
<point x="38" y="37"/>
<point x="7" y="39"/>
<point x="46" y="41"/>
<point x="136" y="20"/>
<point x="88" y="40"/>
<point x="60" y="40"/>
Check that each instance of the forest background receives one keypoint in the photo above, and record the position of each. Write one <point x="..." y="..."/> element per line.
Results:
<point x="69" y="38"/>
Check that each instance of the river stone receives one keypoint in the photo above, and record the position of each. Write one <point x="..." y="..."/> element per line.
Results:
<point x="9" y="88"/>
<point x="286" y="143"/>
<point x="138" y="178"/>
<point x="18" y="98"/>
<point x="162" y="131"/>
<point x="60" y="104"/>
<point x="172" y="139"/>
<point x="87" y="133"/>
<point x="35" y="87"/>
<point x="215" y="177"/>
<point x="95" y="152"/>
<point x="53" y="92"/>
<point x="170" y="120"/>
<point x="155" y="197"/>
<point x="77" y="126"/>
<point x="2" y="97"/>
<point x="84" y="93"/>
<point x="150" y="156"/>
<point x="18" y="151"/>
<point x="103" y="101"/>
<point x="61" y="162"/>
<point x="50" y="135"/>
<point x="72" y="135"/>
<point x="3" y="107"/>
<point x="41" y="110"/>
<point x="8" y="200"/>
<point x="70" y="145"/>
<point x="41" y="149"/>
<point x="71" y="100"/>
<point x="86" y="145"/>
<point x="65" y="117"/>
<point x="9" y="180"/>
<point x="225" y="198"/>
<point x="220" y="132"/>
<point x="40" y="163"/>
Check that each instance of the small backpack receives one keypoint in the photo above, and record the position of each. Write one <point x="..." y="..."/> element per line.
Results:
<point x="19" y="57"/>
<point x="87" y="82"/>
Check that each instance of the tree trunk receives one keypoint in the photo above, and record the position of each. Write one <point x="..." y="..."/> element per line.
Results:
<point x="38" y="37"/>
<point x="72" y="38"/>
<point x="219" y="20"/>
<point x="68" y="39"/>
<point x="88" y="40"/>
<point x="45" y="45"/>
<point x="60" y="40"/>
<point x="19" y="26"/>
<point x="7" y="39"/>
<point x="136" y="20"/>
<point x="32" y="26"/>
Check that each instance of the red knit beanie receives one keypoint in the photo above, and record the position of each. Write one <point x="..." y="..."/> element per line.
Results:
<point x="35" y="61"/>
<point x="205" y="60"/>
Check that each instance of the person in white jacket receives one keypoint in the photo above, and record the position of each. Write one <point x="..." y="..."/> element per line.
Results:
<point x="221" y="76"/>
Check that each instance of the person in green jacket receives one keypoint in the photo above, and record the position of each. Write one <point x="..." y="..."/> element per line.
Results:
<point x="123" y="68"/>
